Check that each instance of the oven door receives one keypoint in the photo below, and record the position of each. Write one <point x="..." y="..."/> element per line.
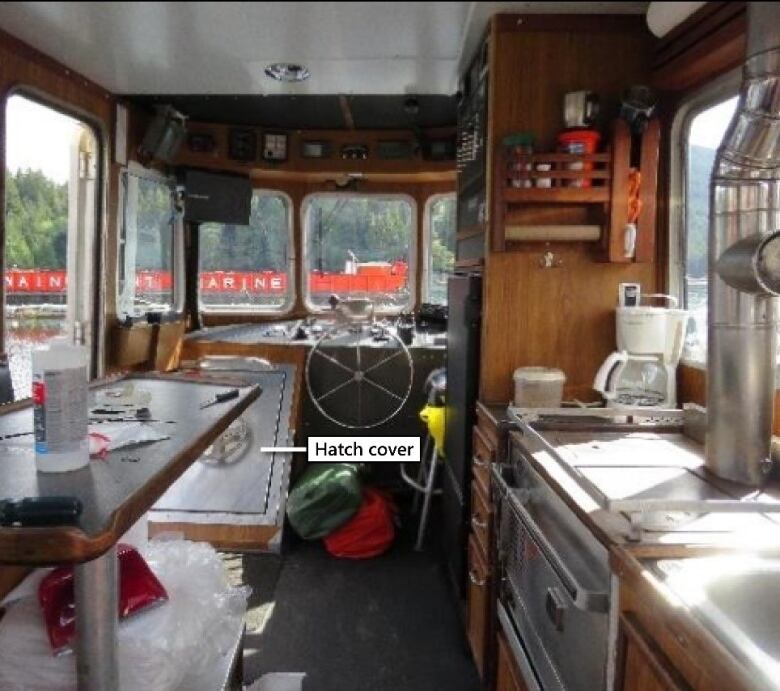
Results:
<point x="518" y="652"/>
<point x="557" y="604"/>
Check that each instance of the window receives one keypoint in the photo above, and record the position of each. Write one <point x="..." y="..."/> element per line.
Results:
<point x="440" y="241"/>
<point x="249" y="268"/>
<point x="150" y="246"/>
<point x="51" y="201"/>
<point x="704" y="127"/>
<point x="359" y="245"/>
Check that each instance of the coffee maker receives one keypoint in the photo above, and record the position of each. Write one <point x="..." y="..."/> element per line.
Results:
<point x="642" y="372"/>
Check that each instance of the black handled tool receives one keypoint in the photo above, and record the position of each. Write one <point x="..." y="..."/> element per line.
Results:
<point x="220" y="398"/>
<point x="40" y="511"/>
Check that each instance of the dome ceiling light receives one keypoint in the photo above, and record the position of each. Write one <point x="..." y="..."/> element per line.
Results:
<point x="287" y="72"/>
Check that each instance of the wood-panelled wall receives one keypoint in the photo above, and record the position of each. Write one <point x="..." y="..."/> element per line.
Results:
<point x="560" y="317"/>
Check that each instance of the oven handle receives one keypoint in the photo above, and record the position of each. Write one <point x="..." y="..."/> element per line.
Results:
<point x="584" y="599"/>
<point x="518" y="653"/>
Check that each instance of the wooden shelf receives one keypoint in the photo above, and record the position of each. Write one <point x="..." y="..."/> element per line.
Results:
<point x="557" y="195"/>
<point x="598" y="181"/>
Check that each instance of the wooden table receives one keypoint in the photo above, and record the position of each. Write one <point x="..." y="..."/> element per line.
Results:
<point x="115" y="493"/>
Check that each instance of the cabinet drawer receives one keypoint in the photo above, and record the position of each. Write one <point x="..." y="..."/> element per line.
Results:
<point x="479" y="584"/>
<point x="481" y="520"/>
<point x="488" y="428"/>
<point x="484" y="455"/>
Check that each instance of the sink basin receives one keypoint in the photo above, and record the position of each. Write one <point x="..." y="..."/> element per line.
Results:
<point x="738" y="599"/>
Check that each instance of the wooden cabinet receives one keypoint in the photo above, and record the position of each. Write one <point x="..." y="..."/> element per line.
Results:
<point x="489" y="440"/>
<point x="642" y="665"/>
<point x="508" y="677"/>
<point x="479" y="588"/>
<point x="662" y="646"/>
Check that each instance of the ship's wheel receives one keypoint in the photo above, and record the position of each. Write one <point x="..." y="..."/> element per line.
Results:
<point x="359" y="375"/>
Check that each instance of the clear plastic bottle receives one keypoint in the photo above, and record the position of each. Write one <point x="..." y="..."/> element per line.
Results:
<point x="61" y="406"/>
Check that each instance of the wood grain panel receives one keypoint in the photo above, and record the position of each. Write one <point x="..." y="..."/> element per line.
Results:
<point x="710" y="42"/>
<point x="244" y="538"/>
<point x="560" y="317"/>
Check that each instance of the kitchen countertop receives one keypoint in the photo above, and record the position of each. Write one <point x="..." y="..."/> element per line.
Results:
<point x="717" y="577"/>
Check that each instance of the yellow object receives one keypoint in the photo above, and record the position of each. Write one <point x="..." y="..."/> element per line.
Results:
<point x="433" y="417"/>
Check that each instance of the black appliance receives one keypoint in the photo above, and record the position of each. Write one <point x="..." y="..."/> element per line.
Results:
<point x="164" y="135"/>
<point x="463" y="333"/>
<point x="217" y="198"/>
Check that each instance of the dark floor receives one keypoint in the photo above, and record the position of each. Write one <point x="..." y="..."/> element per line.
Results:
<point x="383" y="624"/>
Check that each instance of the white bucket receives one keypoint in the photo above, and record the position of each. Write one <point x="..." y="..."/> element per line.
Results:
<point x="538" y="387"/>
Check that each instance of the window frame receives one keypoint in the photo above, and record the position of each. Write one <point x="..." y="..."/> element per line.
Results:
<point x="99" y="263"/>
<point x="292" y="293"/>
<point x="413" y="249"/>
<point x="176" y="311"/>
<point x="426" y="243"/>
<point x="721" y="89"/>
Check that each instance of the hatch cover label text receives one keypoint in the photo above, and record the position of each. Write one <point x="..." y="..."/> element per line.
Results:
<point x="364" y="449"/>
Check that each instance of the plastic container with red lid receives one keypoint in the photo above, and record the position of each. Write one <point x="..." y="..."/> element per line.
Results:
<point x="579" y="141"/>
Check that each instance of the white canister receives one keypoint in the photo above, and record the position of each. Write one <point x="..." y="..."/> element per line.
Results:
<point x="61" y="406"/>
<point x="538" y="387"/>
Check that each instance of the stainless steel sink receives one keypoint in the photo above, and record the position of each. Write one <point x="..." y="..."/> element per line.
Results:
<point x="738" y="599"/>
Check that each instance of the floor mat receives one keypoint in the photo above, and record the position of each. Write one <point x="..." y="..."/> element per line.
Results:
<point x="385" y="624"/>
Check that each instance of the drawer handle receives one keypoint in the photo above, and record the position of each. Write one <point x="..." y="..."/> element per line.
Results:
<point x="479" y="462"/>
<point x="555" y="606"/>
<point x="478" y="523"/>
<point x="476" y="580"/>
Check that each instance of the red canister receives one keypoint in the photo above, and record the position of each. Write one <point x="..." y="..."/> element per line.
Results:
<point x="579" y="142"/>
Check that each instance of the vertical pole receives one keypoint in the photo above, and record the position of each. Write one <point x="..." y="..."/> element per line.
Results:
<point x="96" y="589"/>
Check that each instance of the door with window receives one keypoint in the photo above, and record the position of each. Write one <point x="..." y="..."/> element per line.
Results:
<point x="52" y="166"/>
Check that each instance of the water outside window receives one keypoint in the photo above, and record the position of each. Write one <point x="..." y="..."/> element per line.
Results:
<point x="704" y="136"/>
<point x="248" y="268"/>
<point x="359" y="245"/>
<point x="48" y="156"/>
<point x="439" y="248"/>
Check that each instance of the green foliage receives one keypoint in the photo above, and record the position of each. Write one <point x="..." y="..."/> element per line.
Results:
<point x="374" y="229"/>
<point x="36" y="221"/>
<point x="697" y="209"/>
<point x="154" y="249"/>
<point x="262" y="245"/>
<point x="443" y="226"/>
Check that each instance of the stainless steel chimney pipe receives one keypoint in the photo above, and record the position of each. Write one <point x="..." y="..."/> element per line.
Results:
<point x="744" y="265"/>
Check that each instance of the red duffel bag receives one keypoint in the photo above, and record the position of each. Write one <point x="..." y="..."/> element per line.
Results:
<point x="369" y="533"/>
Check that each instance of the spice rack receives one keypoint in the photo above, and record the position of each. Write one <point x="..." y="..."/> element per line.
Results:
<point x="598" y="183"/>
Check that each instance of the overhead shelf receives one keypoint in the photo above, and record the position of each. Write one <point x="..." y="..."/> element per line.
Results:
<point x="598" y="182"/>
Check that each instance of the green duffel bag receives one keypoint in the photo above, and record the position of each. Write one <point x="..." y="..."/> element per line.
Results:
<point x="323" y="499"/>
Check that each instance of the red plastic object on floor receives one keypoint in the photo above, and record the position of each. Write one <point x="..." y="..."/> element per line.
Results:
<point x="139" y="589"/>
<point x="369" y="533"/>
